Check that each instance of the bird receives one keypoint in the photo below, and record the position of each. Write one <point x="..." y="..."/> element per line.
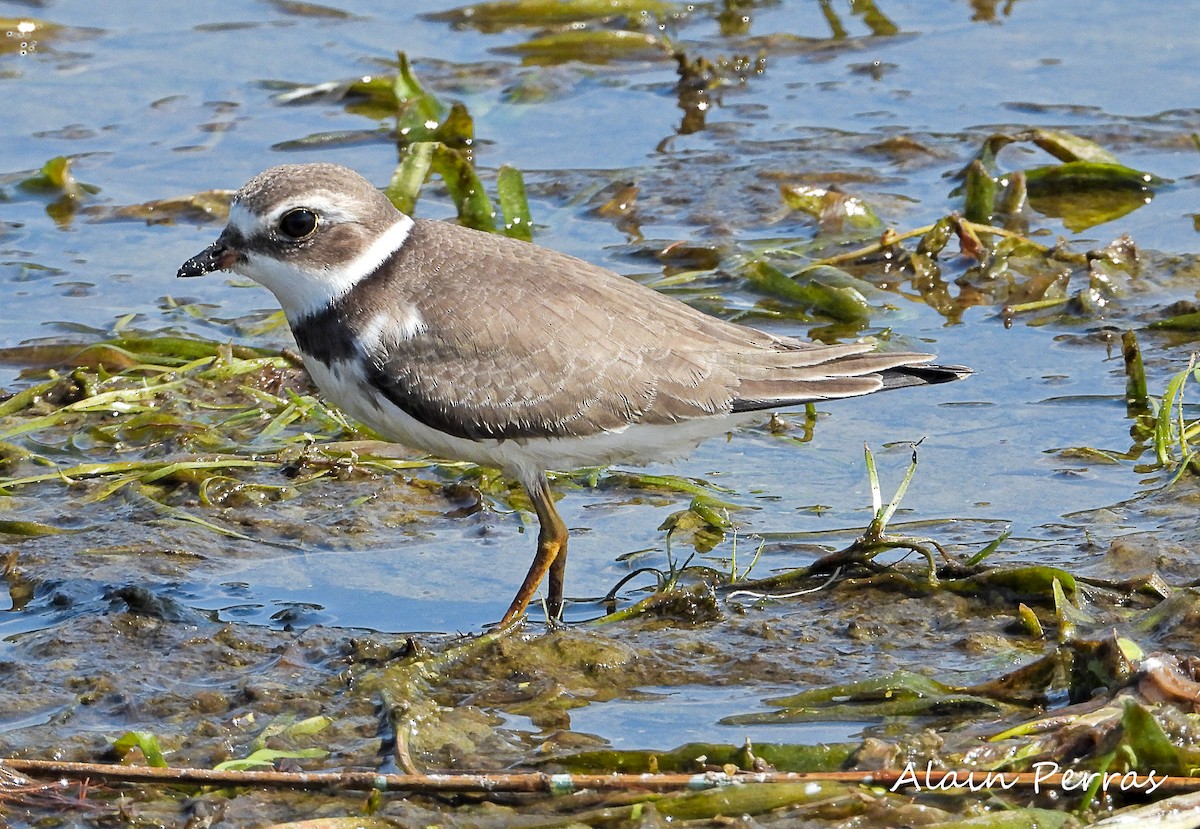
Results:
<point x="474" y="346"/>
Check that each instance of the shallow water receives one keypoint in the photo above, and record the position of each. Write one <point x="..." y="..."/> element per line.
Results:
<point x="157" y="100"/>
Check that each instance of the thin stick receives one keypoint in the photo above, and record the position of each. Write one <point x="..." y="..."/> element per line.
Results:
<point x="559" y="784"/>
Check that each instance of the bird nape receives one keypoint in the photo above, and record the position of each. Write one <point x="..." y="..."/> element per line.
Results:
<point x="477" y="347"/>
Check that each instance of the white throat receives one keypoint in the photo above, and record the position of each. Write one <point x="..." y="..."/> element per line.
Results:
<point x="303" y="290"/>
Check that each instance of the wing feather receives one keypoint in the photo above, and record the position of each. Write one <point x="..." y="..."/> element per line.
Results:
<point x="545" y="345"/>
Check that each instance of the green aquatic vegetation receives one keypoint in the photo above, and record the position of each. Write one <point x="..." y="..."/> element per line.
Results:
<point x="303" y="9"/>
<point x="1189" y="321"/>
<point x="285" y="730"/>
<point x="1126" y="716"/>
<point x="56" y="178"/>
<point x="706" y="521"/>
<point x="997" y="266"/>
<point x="694" y="757"/>
<point x="875" y="538"/>
<point x="22" y="34"/>
<point x="1000" y="262"/>
<point x="57" y="181"/>
<point x="435" y="138"/>
<point x="205" y="207"/>
<point x="874" y="19"/>
<point x="475" y="208"/>
<point x="1088" y="188"/>
<point x="700" y="77"/>
<point x="702" y="74"/>
<point x="833" y="209"/>
<point x="418" y="114"/>
<point x="797" y="797"/>
<point x="1137" y="394"/>
<point x="591" y="46"/>
<point x="30" y="529"/>
<point x="1032" y="583"/>
<point x="703" y="524"/>
<point x="901" y="694"/>
<point x="1163" y="422"/>
<point x="168" y="352"/>
<point x="213" y="413"/>
<point x="266" y="758"/>
<point x="144" y="742"/>
<point x="514" y="205"/>
<point x="502" y="14"/>
<point x="809" y="290"/>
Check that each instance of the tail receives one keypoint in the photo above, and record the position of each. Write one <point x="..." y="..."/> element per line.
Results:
<point x="904" y="376"/>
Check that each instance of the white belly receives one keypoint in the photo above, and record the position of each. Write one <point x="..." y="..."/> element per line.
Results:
<point x="343" y="384"/>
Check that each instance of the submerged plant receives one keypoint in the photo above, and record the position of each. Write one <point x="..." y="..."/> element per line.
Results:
<point x="1163" y="421"/>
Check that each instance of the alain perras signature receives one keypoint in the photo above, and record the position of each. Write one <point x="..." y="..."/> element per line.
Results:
<point x="1046" y="775"/>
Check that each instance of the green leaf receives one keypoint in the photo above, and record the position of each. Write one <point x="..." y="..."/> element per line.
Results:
<point x="1014" y="196"/>
<point x="542" y="13"/>
<point x="590" y="46"/>
<point x="30" y="529"/>
<point x="458" y="174"/>
<point x="56" y="180"/>
<point x="1068" y="147"/>
<point x="373" y="95"/>
<point x="1032" y="582"/>
<point x="937" y="237"/>
<point x="418" y="113"/>
<point x="1136" y="392"/>
<point x="409" y="176"/>
<point x="979" y="201"/>
<point x="898" y="694"/>
<point x="56" y="177"/>
<point x="1081" y="176"/>
<point x="992" y="547"/>
<point x="510" y="190"/>
<point x="1180" y="322"/>
<point x="830" y="206"/>
<point x="1151" y="746"/>
<point x="146" y="742"/>
<point x="874" y="19"/>
<point x="990" y="149"/>
<point x="1085" y="194"/>
<point x="843" y="303"/>
<point x="308" y="726"/>
<point x="896" y="685"/>
<point x="26" y="397"/>
<point x="268" y="756"/>
<point x="748" y="800"/>
<point x="206" y="206"/>
<point x="458" y="128"/>
<point x="1030" y="621"/>
<point x="782" y="756"/>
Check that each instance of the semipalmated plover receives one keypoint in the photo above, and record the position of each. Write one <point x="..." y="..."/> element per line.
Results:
<point x="478" y="347"/>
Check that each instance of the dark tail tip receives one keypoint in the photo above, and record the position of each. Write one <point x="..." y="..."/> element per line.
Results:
<point x="898" y="378"/>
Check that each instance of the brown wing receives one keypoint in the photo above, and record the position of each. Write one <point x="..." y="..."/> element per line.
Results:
<point x="545" y="345"/>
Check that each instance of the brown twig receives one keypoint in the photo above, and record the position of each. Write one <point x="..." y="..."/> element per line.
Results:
<point x="891" y="238"/>
<point x="487" y="783"/>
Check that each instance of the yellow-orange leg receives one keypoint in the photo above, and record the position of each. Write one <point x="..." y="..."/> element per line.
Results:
<point x="551" y="554"/>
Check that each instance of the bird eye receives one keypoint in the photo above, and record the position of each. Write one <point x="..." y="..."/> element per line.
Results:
<point x="298" y="223"/>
